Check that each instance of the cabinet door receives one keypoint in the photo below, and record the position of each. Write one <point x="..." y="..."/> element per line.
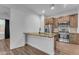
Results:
<point x="73" y="21"/>
<point x="63" y="19"/>
<point x="77" y="38"/>
<point x="66" y="19"/>
<point x="74" y="38"/>
<point x="50" y="20"/>
<point x="46" y="21"/>
<point x="59" y="20"/>
<point x="56" y="22"/>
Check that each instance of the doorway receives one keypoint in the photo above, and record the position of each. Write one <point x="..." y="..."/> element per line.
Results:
<point x="7" y="29"/>
<point x="4" y="29"/>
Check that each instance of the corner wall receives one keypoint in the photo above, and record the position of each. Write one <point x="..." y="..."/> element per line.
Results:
<point x="32" y="23"/>
<point x="20" y="23"/>
<point x="17" y="28"/>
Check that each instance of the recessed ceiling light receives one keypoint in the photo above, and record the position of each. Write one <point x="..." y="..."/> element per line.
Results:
<point x="43" y="11"/>
<point x="52" y="6"/>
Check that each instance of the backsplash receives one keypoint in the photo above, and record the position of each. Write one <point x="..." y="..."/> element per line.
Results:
<point x="73" y="30"/>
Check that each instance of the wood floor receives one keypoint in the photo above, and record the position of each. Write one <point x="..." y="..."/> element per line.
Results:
<point x="66" y="49"/>
<point x="25" y="50"/>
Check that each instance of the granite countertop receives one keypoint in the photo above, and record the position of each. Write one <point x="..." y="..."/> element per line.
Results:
<point x="43" y="34"/>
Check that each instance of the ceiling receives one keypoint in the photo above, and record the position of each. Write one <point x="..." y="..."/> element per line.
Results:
<point x="59" y="8"/>
<point x="37" y="8"/>
<point x="4" y="10"/>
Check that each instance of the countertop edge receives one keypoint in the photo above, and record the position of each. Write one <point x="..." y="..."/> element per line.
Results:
<point x="42" y="35"/>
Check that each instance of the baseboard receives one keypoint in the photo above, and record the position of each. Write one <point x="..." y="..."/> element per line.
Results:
<point x="36" y="49"/>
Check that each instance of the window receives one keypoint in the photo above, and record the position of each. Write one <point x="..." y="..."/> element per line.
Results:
<point x="2" y="25"/>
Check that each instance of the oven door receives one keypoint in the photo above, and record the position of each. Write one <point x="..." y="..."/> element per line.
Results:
<point x="64" y="37"/>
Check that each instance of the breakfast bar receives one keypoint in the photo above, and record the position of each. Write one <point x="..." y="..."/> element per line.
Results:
<point x="43" y="41"/>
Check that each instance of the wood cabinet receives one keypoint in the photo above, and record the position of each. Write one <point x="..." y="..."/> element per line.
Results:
<point x="74" y="38"/>
<point x="46" y="20"/>
<point x="74" y="21"/>
<point x="55" y="22"/>
<point x="63" y="19"/>
<point x="59" y="19"/>
<point x="66" y="19"/>
<point x="67" y="49"/>
<point x="49" y="20"/>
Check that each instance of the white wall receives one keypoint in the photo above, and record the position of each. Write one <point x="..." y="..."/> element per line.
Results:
<point x="42" y="23"/>
<point x="17" y="28"/>
<point x="4" y="16"/>
<point x="4" y="12"/>
<point x="32" y="23"/>
<point x="22" y="22"/>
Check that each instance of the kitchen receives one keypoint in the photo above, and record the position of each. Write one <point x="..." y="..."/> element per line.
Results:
<point x="54" y="33"/>
<point x="59" y="29"/>
<point x="49" y="29"/>
<point x="35" y="29"/>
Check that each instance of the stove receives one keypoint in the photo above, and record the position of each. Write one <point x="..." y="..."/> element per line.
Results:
<point x="64" y="30"/>
<point x="63" y="36"/>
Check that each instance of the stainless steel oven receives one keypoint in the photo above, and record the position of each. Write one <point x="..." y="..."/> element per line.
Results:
<point x="63" y="36"/>
<point x="64" y="29"/>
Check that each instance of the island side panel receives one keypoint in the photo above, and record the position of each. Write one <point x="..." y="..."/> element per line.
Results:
<point x="44" y="44"/>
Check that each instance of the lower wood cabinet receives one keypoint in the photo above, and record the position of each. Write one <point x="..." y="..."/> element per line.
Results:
<point x="74" y="38"/>
<point x="66" y="48"/>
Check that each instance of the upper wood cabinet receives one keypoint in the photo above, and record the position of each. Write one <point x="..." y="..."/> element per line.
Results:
<point x="66" y="19"/>
<point x="59" y="20"/>
<point x="46" y="21"/>
<point x="56" y="22"/>
<point x="49" y="20"/>
<point x="74" y="21"/>
<point x="63" y="19"/>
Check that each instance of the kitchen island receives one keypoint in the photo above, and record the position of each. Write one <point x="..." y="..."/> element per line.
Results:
<point x="43" y="41"/>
